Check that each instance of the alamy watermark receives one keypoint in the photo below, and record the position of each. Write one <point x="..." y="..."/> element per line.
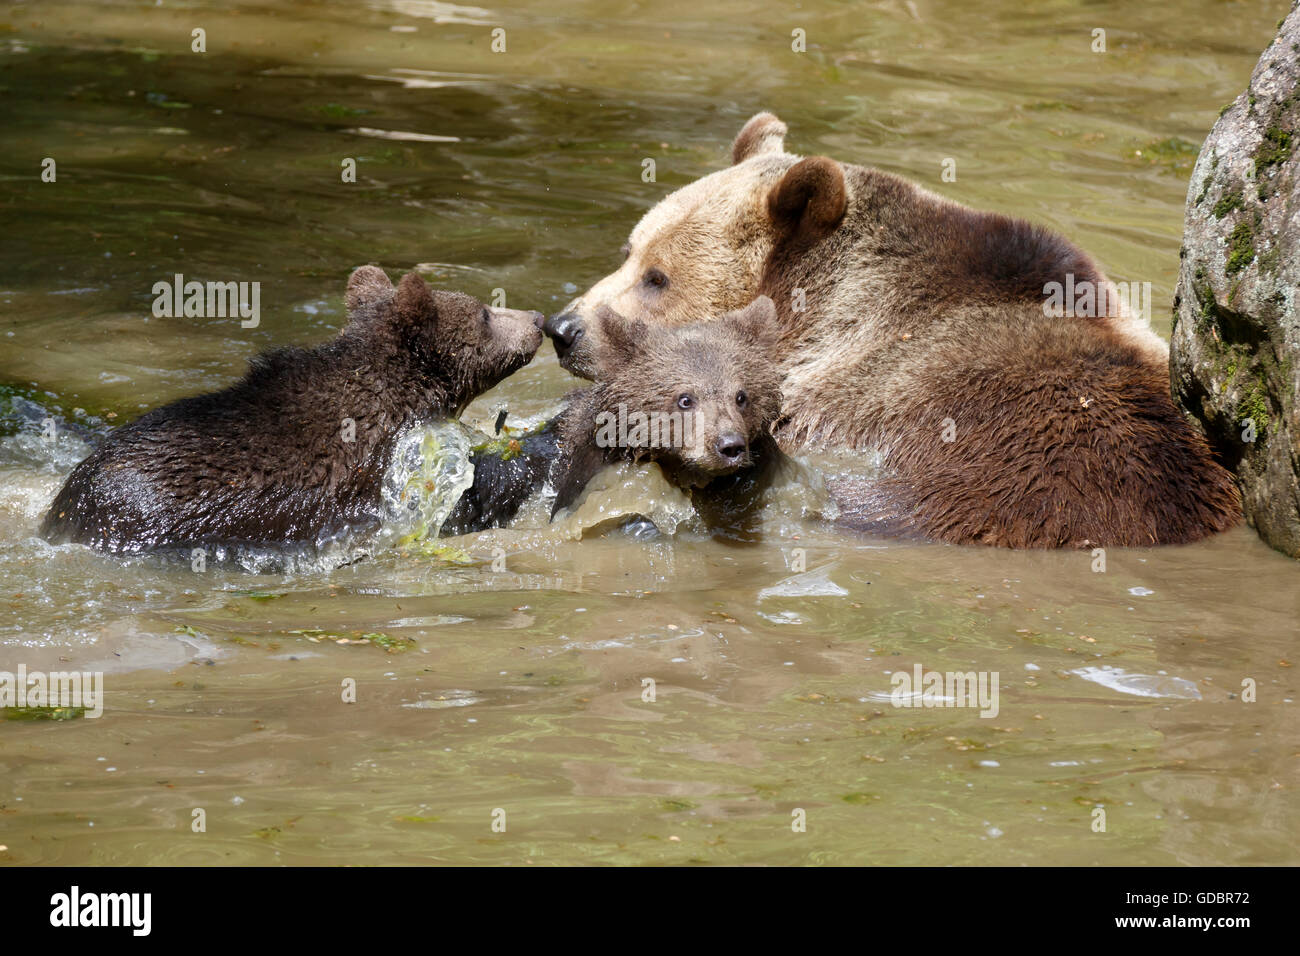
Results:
<point x="1089" y="299"/>
<point x="130" y="910"/>
<point x="921" y="688"/>
<point x="84" y="689"/>
<point x="212" y="300"/>
<point x="637" y="429"/>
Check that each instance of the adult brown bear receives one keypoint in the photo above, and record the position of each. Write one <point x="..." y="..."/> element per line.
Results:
<point x="914" y="327"/>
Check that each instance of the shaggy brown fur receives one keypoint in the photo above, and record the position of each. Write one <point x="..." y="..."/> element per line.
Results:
<point x="1060" y="436"/>
<point x="716" y="374"/>
<point x="265" y="461"/>
<point x="898" y="309"/>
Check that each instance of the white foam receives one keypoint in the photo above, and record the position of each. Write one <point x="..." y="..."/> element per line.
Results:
<point x="1140" y="685"/>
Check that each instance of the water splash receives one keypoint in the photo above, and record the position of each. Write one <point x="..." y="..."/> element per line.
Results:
<point x="814" y="583"/>
<point x="627" y="491"/>
<point x="432" y="467"/>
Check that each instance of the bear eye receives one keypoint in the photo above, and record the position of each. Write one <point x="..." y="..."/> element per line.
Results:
<point x="685" y="400"/>
<point x="655" y="279"/>
<point x="742" y="399"/>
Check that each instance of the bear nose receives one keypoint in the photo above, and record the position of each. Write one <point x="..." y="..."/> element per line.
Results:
<point x="539" y="320"/>
<point x="731" y="447"/>
<point x="564" y="329"/>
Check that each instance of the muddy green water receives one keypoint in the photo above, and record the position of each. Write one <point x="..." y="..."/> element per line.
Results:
<point x="521" y="688"/>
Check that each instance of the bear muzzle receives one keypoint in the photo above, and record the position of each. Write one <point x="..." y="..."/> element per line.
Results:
<point x="732" y="449"/>
<point x="529" y="316"/>
<point x="522" y="328"/>
<point x="566" y="329"/>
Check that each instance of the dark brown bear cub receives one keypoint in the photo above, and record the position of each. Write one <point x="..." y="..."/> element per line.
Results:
<point x="295" y="452"/>
<point x="698" y="399"/>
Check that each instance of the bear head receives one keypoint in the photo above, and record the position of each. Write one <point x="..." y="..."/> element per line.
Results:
<point x="698" y="399"/>
<point x="702" y="249"/>
<point x="454" y="341"/>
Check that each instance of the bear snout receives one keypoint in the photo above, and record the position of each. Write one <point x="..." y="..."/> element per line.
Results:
<point x="535" y="319"/>
<point x="565" y="329"/>
<point x="530" y="316"/>
<point x="731" y="448"/>
<point x="521" y="328"/>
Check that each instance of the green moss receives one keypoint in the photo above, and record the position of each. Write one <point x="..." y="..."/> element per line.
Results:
<point x="502" y="446"/>
<point x="42" y="713"/>
<point x="1241" y="248"/>
<point x="1228" y="203"/>
<point x="1254" y="405"/>
<point x="1205" y="295"/>
<point x="1242" y="368"/>
<point x="1275" y="149"/>
<point x="389" y="643"/>
<point x="508" y="443"/>
<point x="446" y="553"/>
<point x="1271" y="260"/>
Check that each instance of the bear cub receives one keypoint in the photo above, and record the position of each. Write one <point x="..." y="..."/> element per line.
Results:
<point x="296" y="451"/>
<point x="698" y="399"/>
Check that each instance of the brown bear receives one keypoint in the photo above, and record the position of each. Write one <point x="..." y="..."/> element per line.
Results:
<point x="925" y="331"/>
<point x="507" y="472"/>
<point x="696" y="399"/>
<point x="295" y="452"/>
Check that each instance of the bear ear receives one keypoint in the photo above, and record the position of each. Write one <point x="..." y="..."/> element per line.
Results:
<point x="368" y="291"/>
<point x="414" y="300"/>
<point x="764" y="133"/>
<point x="811" y="196"/>
<point x="622" y="337"/>
<point x="756" y="324"/>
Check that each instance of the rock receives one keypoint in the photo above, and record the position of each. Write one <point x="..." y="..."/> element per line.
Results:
<point x="1235" y="355"/>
